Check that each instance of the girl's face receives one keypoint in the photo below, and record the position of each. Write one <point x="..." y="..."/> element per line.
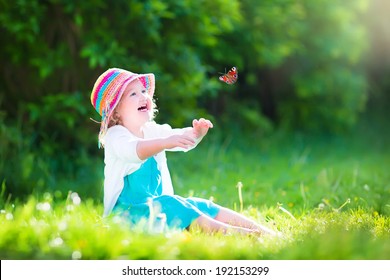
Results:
<point x="135" y="107"/>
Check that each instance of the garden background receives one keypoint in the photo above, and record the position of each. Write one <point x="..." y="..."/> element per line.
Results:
<point x="305" y="129"/>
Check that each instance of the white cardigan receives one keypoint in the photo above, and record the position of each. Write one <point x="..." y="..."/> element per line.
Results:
<point x="121" y="159"/>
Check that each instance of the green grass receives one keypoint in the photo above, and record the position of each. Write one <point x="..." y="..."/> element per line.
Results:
<point x="328" y="196"/>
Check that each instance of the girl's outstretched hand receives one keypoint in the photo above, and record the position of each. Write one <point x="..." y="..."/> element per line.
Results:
<point x="201" y="127"/>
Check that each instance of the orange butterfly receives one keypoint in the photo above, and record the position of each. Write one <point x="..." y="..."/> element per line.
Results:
<point x="230" y="77"/>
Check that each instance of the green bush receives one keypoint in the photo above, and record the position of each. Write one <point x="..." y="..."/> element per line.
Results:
<point x="48" y="150"/>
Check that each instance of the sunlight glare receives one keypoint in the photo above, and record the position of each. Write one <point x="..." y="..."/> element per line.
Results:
<point x="56" y="242"/>
<point x="75" y="198"/>
<point x="45" y="206"/>
<point x="76" y="255"/>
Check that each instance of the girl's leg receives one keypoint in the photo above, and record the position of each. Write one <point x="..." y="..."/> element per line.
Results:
<point x="208" y="224"/>
<point x="233" y="218"/>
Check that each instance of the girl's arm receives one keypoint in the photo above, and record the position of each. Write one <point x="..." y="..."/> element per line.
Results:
<point x="150" y="147"/>
<point x="181" y="140"/>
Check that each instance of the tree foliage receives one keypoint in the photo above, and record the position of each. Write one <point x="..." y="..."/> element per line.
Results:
<point x="303" y="61"/>
<point x="298" y="59"/>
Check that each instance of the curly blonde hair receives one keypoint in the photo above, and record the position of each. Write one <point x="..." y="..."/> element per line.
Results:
<point x="115" y="119"/>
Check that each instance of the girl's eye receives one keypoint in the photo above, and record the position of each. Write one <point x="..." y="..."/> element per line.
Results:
<point x="132" y="94"/>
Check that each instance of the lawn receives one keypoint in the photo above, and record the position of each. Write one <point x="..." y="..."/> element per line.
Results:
<point x="329" y="196"/>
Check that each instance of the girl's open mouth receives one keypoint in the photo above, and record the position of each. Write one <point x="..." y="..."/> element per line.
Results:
<point x="143" y="108"/>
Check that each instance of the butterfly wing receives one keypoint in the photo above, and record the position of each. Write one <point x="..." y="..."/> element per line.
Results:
<point x="230" y="77"/>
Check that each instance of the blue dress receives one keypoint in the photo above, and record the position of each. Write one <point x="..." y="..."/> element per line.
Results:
<point x="145" y="184"/>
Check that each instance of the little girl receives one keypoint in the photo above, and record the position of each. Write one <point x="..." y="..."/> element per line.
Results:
<point x="136" y="171"/>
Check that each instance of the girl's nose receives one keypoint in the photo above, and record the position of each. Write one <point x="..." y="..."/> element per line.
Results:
<point x="144" y="95"/>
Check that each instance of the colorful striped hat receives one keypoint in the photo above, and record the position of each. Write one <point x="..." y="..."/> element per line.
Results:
<point x="108" y="90"/>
